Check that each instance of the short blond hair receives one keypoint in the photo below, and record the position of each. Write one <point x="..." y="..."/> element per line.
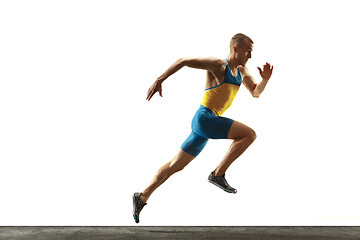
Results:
<point x="239" y="40"/>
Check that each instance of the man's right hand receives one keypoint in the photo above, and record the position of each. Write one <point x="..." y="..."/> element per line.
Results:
<point x="155" y="87"/>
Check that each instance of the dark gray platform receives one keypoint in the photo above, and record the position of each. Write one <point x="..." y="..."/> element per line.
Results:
<point x="158" y="233"/>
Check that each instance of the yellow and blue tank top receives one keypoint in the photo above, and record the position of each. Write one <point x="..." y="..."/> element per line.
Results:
<point x="219" y="98"/>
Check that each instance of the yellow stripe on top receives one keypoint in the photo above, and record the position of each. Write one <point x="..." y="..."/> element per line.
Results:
<point x="220" y="98"/>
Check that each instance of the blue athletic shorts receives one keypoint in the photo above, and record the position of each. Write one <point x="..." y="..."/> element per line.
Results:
<point x="205" y="124"/>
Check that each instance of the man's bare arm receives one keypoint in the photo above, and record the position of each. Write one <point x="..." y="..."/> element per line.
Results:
<point x="257" y="88"/>
<point x="211" y="64"/>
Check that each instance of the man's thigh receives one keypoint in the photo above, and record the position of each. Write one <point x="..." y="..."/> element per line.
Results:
<point x="239" y="130"/>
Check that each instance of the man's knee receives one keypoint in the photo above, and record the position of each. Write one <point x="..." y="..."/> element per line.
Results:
<point x="251" y="135"/>
<point x="180" y="161"/>
<point x="169" y="169"/>
<point x="178" y="165"/>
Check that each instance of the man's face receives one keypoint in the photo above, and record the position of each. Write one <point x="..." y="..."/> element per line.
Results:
<point x="244" y="53"/>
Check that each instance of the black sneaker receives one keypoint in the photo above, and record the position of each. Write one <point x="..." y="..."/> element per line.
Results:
<point x="137" y="206"/>
<point x="221" y="182"/>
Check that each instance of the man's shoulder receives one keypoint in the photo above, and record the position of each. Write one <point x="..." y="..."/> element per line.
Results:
<point x="216" y="73"/>
<point x="218" y="64"/>
<point x="243" y="70"/>
<point x="217" y="60"/>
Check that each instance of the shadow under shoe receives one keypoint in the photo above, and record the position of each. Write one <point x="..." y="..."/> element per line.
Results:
<point x="137" y="206"/>
<point x="221" y="182"/>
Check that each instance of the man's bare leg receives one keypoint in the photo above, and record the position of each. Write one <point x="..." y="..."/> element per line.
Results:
<point x="243" y="137"/>
<point x="180" y="160"/>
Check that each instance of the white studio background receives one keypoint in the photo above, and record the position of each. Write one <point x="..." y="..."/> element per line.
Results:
<point x="78" y="138"/>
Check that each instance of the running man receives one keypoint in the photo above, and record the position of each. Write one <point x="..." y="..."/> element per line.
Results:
<point x="224" y="77"/>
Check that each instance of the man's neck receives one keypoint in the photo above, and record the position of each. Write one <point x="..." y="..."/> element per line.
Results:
<point x="232" y="64"/>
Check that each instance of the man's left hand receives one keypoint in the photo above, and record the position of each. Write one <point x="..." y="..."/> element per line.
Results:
<point x="266" y="72"/>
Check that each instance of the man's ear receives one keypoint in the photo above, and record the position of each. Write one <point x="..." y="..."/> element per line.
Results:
<point x="235" y="48"/>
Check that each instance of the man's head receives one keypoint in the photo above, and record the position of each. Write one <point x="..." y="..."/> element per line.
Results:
<point x="241" y="46"/>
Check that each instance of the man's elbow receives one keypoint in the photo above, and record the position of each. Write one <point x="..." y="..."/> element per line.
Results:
<point x="256" y="95"/>
<point x="181" y="61"/>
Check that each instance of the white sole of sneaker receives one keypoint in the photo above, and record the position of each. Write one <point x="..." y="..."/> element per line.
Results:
<point x="221" y="187"/>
